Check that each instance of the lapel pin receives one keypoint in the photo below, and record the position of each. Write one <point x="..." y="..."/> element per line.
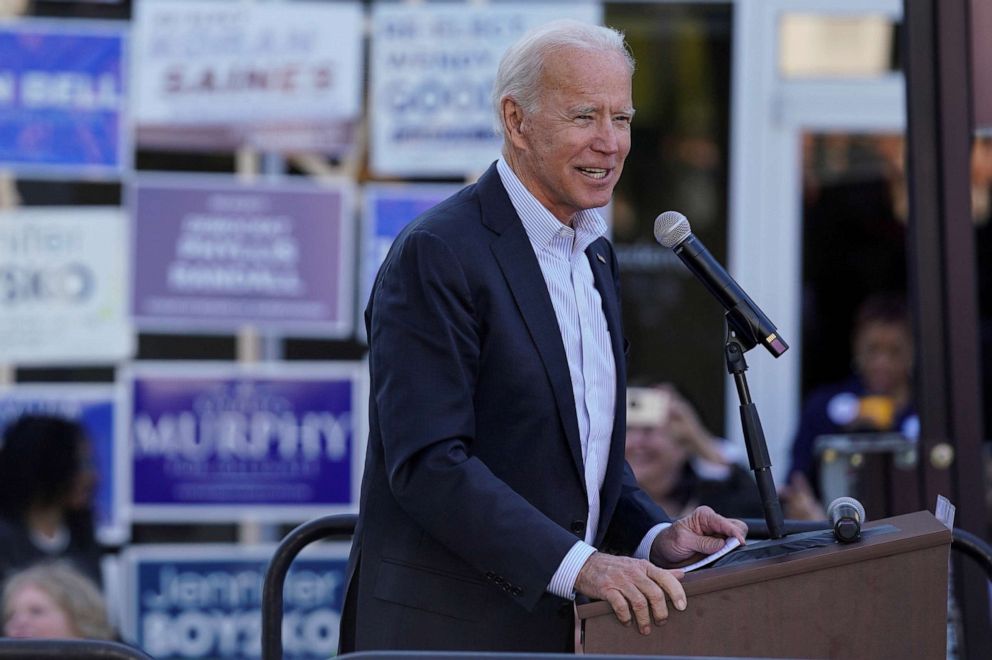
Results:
<point x="601" y="257"/>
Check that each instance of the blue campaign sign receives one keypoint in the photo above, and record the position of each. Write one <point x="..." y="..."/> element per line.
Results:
<point x="386" y="209"/>
<point x="94" y="407"/>
<point x="204" y="601"/>
<point x="62" y="91"/>
<point x="220" y="443"/>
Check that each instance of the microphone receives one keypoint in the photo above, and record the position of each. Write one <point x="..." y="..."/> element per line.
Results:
<point x="846" y="515"/>
<point x="671" y="229"/>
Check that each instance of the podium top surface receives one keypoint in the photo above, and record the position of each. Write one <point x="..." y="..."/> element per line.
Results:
<point x="909" y="533"/>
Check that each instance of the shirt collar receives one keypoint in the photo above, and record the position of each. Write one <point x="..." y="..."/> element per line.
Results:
<point x="541" y="225"/>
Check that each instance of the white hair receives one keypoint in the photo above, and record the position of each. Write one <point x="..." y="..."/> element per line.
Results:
<point x="519" y="73"/>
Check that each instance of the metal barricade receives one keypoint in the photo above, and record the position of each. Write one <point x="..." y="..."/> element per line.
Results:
<point x="327" y="527"/>
<point x="60" y="649"/>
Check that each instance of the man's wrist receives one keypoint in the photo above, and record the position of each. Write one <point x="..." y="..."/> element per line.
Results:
<point x="563" y="581"/>
<point x="647" y="543"/>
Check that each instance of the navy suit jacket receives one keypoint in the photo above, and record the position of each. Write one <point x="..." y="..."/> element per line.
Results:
<point x="473" y="489"/>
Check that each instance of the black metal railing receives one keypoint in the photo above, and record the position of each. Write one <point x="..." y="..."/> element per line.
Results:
<point x="61" y="649"/>
<point x="327" y="527"/>
<point x="972" y="546"/>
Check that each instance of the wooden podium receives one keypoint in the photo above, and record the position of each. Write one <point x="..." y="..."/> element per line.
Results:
<point x="884" y="596"/>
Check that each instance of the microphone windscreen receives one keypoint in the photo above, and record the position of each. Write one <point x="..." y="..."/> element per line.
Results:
<point x="671" y="228"/>
<point x="845" y="504"/>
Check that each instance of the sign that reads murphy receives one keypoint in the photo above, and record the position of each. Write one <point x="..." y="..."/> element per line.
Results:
<point x="94" y="408"/>
<point x="63" y="286"/>
<point x="433" y="67"/>
<point x="204" y="601"/>
<point x="216" y="74"/>
<point x="215" y="443"/>
<point x="61" y="97"/>
<point x="221" y="255"/>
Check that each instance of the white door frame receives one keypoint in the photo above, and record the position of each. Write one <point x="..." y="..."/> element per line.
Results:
<point x="769" y="115"/>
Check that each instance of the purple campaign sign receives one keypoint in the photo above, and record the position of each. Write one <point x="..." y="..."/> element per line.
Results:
<point x="220" y="256"/>
<point x="209" y="443"/>
<point x="61" y="97"/>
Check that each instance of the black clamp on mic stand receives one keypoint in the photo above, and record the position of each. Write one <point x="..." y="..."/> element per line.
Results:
<point x="754" y="436"/>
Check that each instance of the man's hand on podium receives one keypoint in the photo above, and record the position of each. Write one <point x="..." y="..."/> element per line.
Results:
<point x="631" y="587"/>
<point x="703" y="531"/>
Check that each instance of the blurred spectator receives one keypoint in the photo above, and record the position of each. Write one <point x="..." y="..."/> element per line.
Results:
<point x="876" y="398"/>
<point x="854" y="242"/>
<point x="46" y="491"/>
<point x="678" y="463"/>
<point x="54" y="601"/>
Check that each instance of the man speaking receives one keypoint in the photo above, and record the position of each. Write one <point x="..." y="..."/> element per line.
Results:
<point x="495" y="487"/>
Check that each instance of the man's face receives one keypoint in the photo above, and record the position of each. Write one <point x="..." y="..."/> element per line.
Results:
<point x="570" y="150"/>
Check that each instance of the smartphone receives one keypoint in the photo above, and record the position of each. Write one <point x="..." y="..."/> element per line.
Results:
<point x="647" y="406"/>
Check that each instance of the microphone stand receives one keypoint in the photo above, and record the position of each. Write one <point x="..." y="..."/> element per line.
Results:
<point x="754" y="437"/>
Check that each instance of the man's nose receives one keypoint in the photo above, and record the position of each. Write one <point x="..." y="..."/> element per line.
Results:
<point x="607" y="137"/>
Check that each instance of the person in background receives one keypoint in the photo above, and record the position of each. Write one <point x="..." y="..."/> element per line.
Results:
<point x="680" y="464"/>
<point x="46" y="490"/>
<point x="54" y="601"/>
<point x="877" y="397"/>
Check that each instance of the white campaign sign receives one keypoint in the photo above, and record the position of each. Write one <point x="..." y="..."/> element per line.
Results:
<point x="274" y="65"/>
<point x="432" y="71"/>
<point x="63" y="286"/>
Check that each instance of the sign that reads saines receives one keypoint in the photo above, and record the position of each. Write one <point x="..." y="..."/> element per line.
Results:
<point x="274" y="442"/>
<point x="214" y="75"/>
<point x="62" y="98"/>
<point x="204" y="601"/>
<point x="216" y="254"/>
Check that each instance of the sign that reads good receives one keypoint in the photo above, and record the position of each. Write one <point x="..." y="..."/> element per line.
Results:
<point x="277" y="442"/>
<point x="219" y="255"/>
<point x="433" y="67"/>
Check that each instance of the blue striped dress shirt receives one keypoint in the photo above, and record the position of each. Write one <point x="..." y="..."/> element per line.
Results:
<point x="560" y="251"/>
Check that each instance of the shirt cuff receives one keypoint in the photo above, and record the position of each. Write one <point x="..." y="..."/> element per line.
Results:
<point x="644" y="549"/>
<point x="563" y="581"/>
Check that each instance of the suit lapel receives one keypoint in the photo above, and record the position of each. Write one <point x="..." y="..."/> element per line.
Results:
<point x="601" y="261"/>
<point x="515" y="256"/>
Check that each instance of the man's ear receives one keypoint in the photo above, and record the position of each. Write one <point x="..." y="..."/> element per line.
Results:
<point x="513" y="121"/>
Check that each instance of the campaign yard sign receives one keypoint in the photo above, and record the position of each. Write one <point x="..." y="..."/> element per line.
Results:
<point x="64" y="286"/>
<point x="204" y="601"/>
<point x="212" y="74"/>
<point x="269" y="442"/>
<point x="386" y="209"/>
<point x="215" y="254"/>
<point x="432" y="72"/>
<point x="95" y="407"/>
<point x="62" y="98"/>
